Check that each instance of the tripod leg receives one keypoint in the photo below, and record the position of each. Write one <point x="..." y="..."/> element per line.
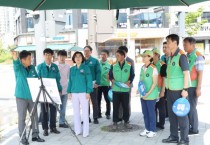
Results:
<point x="53" y="102"/>
<point x="31" y="113"/>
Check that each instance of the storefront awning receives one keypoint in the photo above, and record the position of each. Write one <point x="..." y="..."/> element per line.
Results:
<point x="51" y="46"/>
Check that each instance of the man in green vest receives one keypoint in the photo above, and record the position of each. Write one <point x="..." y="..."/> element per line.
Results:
<point x="105" y="83"/>
<point x="47" y="69"/>
<point x="123" y="72"/>
<point x="131" y="61"/>
<point x="165" y="58"/>
<point x="23" y="70"/>
<point x="166" y="52"/>
<point x="177" y="84"/>
<point x="196" y="64"/>
<point x="95" y="69"/>
<point x="160" y="105"/>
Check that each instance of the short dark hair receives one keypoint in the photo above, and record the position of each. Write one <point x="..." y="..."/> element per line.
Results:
<point x="23" y="54"/>
<point x="89" y="47"/>
<point x="123" y="48"/>
<point x="62" y="53"/>
<point x="105" y="51"/>
<point x="191" y="40"/>
<point x="48" y="51"/>
<point x="77" y="52"/>
<point x="164" y="42"/>
<point x="121" y="52"/>
<point x="173" y="37"/>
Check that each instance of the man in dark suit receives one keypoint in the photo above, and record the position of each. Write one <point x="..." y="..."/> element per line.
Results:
<point x="130" y="60"/>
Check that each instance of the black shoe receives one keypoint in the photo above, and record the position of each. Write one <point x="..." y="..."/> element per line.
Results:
<point x="54" y="130"/>
<point x="24" y="142"/>
<point x="63" y="125"/>
<point x="120" y="120"/>
<point x="45" y="133"/>
<point x="160" y="126"/>
<point x="170" y="140"/>
<point x="193" y="133"/>
<point x="182" y="142"/>
<point x="127" y="125"/>
<point x="107" y="116"/>
<point x="38" y="139"/>
<point x="96" y="121"/>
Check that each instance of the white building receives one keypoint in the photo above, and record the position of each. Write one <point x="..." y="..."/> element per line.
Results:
<point x="7" y="26"/>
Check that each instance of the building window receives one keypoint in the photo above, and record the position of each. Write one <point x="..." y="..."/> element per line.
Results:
<point x="30" y="24"/>
<point x="146" y="20"/>
<point x="68" y="21"/>
<point x="122" y="20"/>
<point x="206" y="15"/>
<point x="84" y="20"/>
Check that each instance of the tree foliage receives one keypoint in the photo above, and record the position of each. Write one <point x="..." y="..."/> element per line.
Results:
<point x="192" y="25"/>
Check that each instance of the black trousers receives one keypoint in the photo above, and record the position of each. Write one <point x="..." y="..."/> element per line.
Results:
<point x="103" y="90"/>
<point x="166" y="102"/>
<point x="94" y="100"/>
<point x="160" y="110"/>
<point x="121" y="108"/>
<point x="193" y="114"/>
<point x="45" y="112"/>
<point x="120" y="98"/>
<point x="175" y="121"/>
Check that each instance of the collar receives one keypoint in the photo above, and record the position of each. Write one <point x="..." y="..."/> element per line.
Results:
<point x="81" y="65"/>
<point x="122" y="64"/>
<point x="103" y="62"/>
<point x="89" y="58"/>
<point x="47" y="64"/>
<point x="176" y="52"/>
<point x="188" y="54"/>
<point x="157" y="62"/>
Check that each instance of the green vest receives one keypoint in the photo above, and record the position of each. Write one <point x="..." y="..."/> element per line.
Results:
<point x="147" y="78"/>
<point x="175" y="76"/>
<point x="105" y="67"/>
<point x="193" y="73"/>
<point x="160" y="79"/>
<point x="121" y="75"/>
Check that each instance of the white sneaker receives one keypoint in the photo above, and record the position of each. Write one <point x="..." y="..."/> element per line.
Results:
<point x="144" y="133"/>
<point x="151" y="134"/>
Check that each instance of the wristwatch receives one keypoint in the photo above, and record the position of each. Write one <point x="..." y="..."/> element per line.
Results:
<point x="186" y="89"/>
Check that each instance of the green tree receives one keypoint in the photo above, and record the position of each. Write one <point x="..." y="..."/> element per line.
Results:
<point x="192" y="25"/>
<point x="2" y="50"/>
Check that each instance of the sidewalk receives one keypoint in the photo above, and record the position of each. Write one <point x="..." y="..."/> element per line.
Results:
<point x="99" y="137"/>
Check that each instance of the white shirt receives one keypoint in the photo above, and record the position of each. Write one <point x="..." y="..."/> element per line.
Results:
<point x="64" y="70"/>
<point x="155" y="71"/>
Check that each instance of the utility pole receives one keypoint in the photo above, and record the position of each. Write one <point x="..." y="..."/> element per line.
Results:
<point x="39" y="32"/>
<point x="92" y="21"/>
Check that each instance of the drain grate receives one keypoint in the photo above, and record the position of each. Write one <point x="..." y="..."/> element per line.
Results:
<point x="121" y="128"/>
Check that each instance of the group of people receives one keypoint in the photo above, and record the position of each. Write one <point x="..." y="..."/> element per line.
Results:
<point x="166" y="79"/>
<point x="174" y="75"/>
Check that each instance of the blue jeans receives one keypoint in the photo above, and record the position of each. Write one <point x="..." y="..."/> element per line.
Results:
<point x="63" y="108"/>
<point x="148" y="110"/>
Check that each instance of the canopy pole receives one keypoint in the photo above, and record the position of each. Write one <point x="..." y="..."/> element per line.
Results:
<point x="39" y="5"/>
<point x="109" y="4"/>
<point x="185" y="3"/>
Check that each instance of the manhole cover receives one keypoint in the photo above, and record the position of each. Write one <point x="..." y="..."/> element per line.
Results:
<point x="121" y="128"/>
